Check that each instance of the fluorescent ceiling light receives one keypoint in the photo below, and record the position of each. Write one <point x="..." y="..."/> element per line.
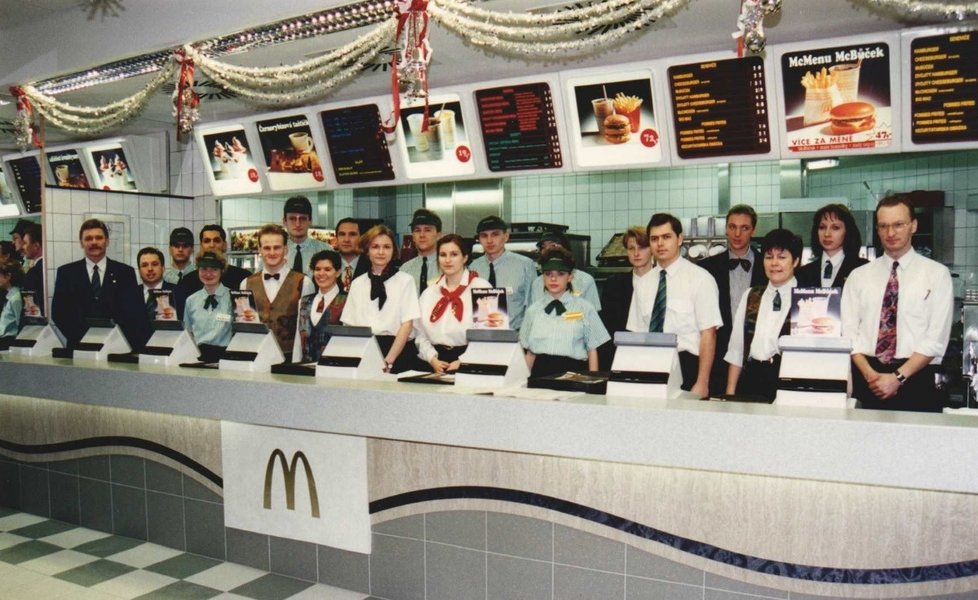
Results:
<point x="821" y="163"/>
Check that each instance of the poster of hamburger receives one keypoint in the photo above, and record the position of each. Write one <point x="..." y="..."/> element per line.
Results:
<point x="838" y="98"/>
<point x="613" y="119"/>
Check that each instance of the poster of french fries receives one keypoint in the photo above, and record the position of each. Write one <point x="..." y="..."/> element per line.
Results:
<point x="614" y="120"/>
<point x="837" y="98"/>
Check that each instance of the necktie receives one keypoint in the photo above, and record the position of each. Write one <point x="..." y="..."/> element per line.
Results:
<point x="739" y="262"/>
<point x="179" y="276"/>
<point x="827" y="274"/>
<point x="271" y="276"/>
<point x="297" y="263"/>
<point x="150" y="306"/>
<point x="492" y="275"/>
<point x="322" y="304"/>
<point x="777" y="301"/>
<point x="347" y="276"/>
<point x="557" y="306"/>
<point x="658" y="319"/>
<point x="211" y="302"/>
<point x="424" y="274"/>
<point x="96" y="282"/>
<point x="886" y="342"/>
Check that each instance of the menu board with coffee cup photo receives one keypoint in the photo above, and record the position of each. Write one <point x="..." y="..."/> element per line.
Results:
<point x="816" y="311"/>
<point x="433" y="140"/>
<point x="68" y="170"/>
<point x="231" y="160"/>
<point x="291" y="159"/>
<point x="838" y="98"/>
<point x="489" y="308"/>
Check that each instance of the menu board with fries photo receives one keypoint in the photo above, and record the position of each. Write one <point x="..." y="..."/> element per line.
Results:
<point x="614" y="122"/>
<point x="837" y="98"/>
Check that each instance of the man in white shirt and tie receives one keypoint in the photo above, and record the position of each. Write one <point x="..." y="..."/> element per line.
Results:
<point x="297" y="218"/>
<point x="425" y="231"/>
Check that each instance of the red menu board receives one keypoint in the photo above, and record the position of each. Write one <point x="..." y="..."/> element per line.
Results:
<point x="357" y="146"/>
<point x="519" y="128"/>
<point x="720" y="108"/>
<point x="944" y="87"/>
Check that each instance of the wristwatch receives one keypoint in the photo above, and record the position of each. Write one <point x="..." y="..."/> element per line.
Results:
<point x="901" y="378"/>
<point x="389" y="366"/>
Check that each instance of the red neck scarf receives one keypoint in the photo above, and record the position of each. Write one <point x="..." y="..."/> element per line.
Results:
<point x="453" y="299"/>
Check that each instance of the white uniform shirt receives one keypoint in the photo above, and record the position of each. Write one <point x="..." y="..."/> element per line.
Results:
<point x="327" y="299"/>
<point x="446" y="331"/>
<point x="272" y="286"/>
<point x="769" y="325"/>
<point x="401" y="305"/>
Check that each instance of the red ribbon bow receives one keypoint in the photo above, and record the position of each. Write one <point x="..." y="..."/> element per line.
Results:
<point x="416" y="8"/>
<point x="186" y="98"/>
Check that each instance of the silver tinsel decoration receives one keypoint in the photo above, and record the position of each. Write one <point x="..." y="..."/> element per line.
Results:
<point x="23" y="130"/>
<point x="750" y="23"/>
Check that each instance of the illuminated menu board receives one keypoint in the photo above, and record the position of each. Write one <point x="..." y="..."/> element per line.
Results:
<point x="26" y="175"/>
<point x="720" y="108"/>
<point x="944" y="87"/>
<point x="519" y="128"/>
<point x="357" y="146"/>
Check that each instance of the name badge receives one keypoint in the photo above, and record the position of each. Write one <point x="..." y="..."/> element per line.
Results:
<point x="509" y="291"/>
<point x="573" y="316"/>
<point x="223" y="317"/>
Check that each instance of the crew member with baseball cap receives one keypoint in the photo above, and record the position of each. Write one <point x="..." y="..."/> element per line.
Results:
<point x="425" y="231"/>
<point x="207" y="315"/>
<point x="296" y="218"/>
<point x="181" y="249"/>
<point x="504" y="269"/>
<point x="17" y="236"/>
<point x="583" y="286"/>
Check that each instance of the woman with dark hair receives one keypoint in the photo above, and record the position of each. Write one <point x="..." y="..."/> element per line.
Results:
<point x="11" y="280"/>
<point x="446" y="307"/>
<point x="835" y="242"/>
<point x="318" y="311"/>
<point x="385" y="300"/>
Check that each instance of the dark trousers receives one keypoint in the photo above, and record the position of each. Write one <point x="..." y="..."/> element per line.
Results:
<point x="759" y="379"/>
<point x="549" y="364"/>
<point x="689" y="365"/>
<point x="447" y="354"/>
<point x="917" y="394"/>
<point x="406" y="360"/>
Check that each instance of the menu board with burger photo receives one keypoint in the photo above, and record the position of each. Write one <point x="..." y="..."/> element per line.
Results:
<point x="838" y="98"/>
<point x="613" y="120"/>
<point x="232" y="162"/>
<point x="816" y="311"/>
<point x="114" y="173"/>
<point x="291" y="159"/>
<point x="489" y="308"/>
<point x="441" y="149"/>
<point x="68" y="170"/>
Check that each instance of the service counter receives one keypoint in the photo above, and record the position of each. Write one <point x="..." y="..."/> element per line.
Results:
<point x="834" y="502"/>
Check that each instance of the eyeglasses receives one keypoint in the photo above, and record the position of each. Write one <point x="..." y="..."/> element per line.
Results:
<point x="896" y="227"/>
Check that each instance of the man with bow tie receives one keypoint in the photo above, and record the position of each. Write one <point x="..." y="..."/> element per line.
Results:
<point x="278" y="289"/>
<point x="734" y="271"/>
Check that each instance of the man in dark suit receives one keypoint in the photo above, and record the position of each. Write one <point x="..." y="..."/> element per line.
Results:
<point x="348" y="245"/>
<point x="735" y="271"/>
<point x="212" y="239"/>
<point x="96" y="287"/>
<point x="33" y="251"/>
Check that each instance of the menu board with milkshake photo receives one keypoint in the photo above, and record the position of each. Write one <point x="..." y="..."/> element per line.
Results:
<point x="31" y="311"/>
<point x="112" y="168"/>
<point x="291" y="159"/>
<point x="816" y="311"/>
<point x="245" y="312"/>
<point x="838" y="98"/>
<point x="440" y="147"/>
<point x="68" y="170"/>
<point x="489" y="308"/>
<point x="613" y="120"/>
<point x="232" y="163"/>
<point x="163" y="306"/>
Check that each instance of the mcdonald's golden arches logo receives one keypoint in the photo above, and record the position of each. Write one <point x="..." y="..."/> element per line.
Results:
<point x="288" y="472"/>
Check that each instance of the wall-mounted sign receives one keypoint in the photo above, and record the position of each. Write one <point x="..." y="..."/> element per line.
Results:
<point x="944" y="88"/>
<point x="357" y="146"/>
<point x="519" y="128"/>
<point x="443" y="148"/>
<point x="113" y="169"/>
<point x="720" y="108"/>
<point x="232" y="162"/>
<point x="291" y="158"/>
<point x="26" y="175"/>
<point x="68" y="169"/>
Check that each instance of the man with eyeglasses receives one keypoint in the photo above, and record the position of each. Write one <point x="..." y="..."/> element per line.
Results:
<point x="301" y="247"/>
<point x="897" y="311"/>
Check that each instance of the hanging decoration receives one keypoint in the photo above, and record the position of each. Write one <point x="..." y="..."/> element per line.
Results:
<point x="25" y="131"/>
<point x="409" y="64"/>
<point x="927" y="9"/>
<point x="185" y="99"/>
<point x="750" y="24"/>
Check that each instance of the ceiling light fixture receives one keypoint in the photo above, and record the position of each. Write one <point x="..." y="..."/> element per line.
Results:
<point x="821" y="163"/>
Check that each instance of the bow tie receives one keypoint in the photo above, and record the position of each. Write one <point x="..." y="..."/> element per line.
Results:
<point x="210" y="303"/>
<point x="270" y="276"/>
<point x="739" y="262"/>
<point x="557" y="306"/>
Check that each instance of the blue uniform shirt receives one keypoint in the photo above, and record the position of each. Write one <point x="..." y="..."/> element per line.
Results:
<point x="514" y="272"/>
<point x="10" y="316"/>
<point x="209" y="326"/>
<point x="571" y="334"/>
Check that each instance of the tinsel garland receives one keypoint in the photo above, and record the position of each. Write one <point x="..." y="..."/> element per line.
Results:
<point x="928" y="9"/>
<point x="185" y="99"/>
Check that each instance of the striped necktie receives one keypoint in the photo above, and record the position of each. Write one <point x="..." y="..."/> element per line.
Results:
<point x="658" y="319"/>
<point x="886" y="342"/>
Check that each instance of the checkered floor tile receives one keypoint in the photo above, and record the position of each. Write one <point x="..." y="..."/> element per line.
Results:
<point x="49" y="559"/>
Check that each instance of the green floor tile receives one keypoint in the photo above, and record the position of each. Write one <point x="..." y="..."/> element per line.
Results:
<point x="107" y="546"/>
<point x="27" y="551"/>
<point x="181" y="590"/>
<point x="271" y="587"/>
<point x="183" y="565"/>
<point x="43" y="529"/>
<point x="95" y="572"/>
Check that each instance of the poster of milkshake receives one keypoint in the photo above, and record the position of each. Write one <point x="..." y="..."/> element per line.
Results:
<point x="291" y="159"/>
<point x="442" y="149"/>
<point x="613" y="120"/>
<point x="31" y="311"/>
<point x="68" y="170"/>
<point x="232" y="163"/>
<point x="489" y="308"/>
<point x="163" y="306"/>
<point x="112" y="168"/>
<point x="838" y="98"/>
<point x="816" y="311"/>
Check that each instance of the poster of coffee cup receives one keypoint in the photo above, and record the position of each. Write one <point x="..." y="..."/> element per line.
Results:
<point x="816" y="311"/>
<point x="232" y="162"/>
<point x="613" y="119"/>
<point x="489" y="308"/>
<point x="112" y="168"/>
<point x="439" y="149"/>
<point x="291" y="159"/>
<point x="68" y="170"/>
<point x="837" y="98"/>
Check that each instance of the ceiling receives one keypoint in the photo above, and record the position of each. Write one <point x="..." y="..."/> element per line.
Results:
<point x="701" y="26"/>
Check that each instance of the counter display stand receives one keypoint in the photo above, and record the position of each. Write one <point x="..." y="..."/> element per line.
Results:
<point x="37" y="340"/>
<point x="646" y="365"/>
<point x="350" y="353"/>
<point x="103" y="338"/>
<point x="494" y="359"/>
<point x="253" y="348"/>
<point x="815" y="371"/>
<point x="169" y="346"/>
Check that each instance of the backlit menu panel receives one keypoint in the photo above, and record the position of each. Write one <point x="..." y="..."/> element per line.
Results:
<point x="720" y="108"/>
<point x="519" y="128"/>
<point x="26" y="175"/>
<point x="944" y="88"/>
<point x="357" y="147"/>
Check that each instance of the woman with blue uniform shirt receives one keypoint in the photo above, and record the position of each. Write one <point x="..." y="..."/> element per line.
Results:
<point x="207" y="313"/>
<point x="11" y="280"/>
<point x="561" y="332"/>
<point x="322" y="309"/>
